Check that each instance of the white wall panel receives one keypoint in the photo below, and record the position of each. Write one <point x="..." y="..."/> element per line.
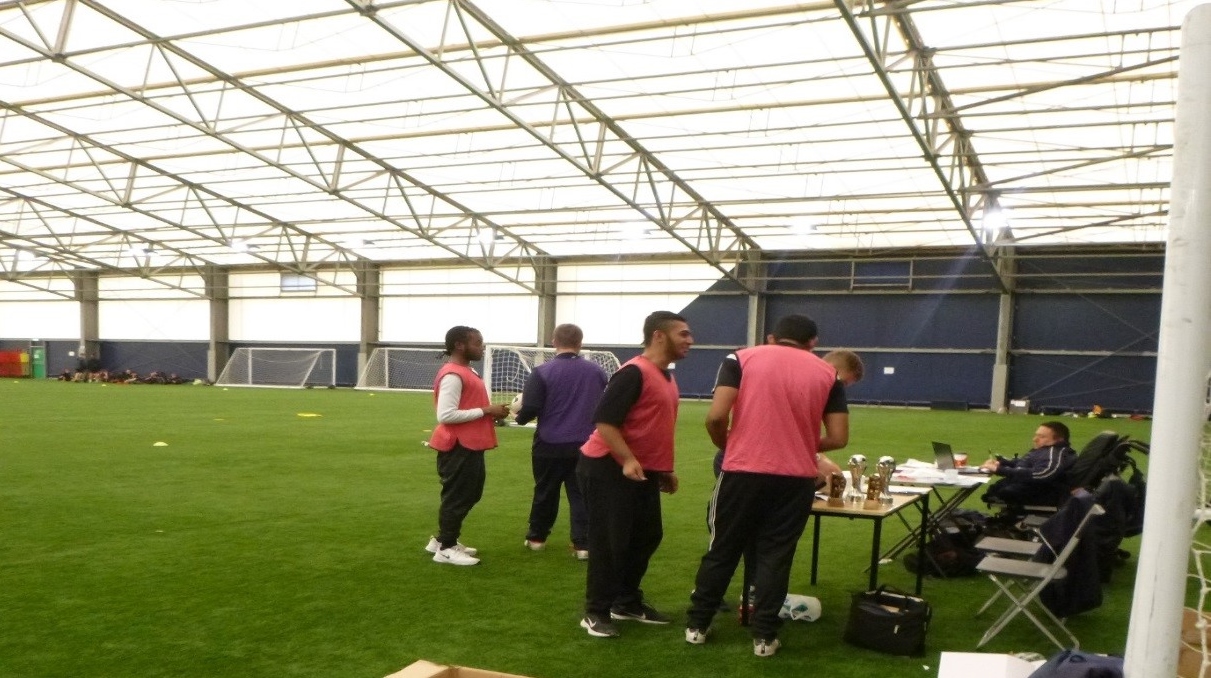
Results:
<point x="40" y="320"/>
<point x="154" y="287"/>
<point x="309" y="319"/>
<point x="11" y="291"/>
<point x="501" y="319"/>
<point x="154" y="320"/>
<point x="636" y="277"/>
<point x="615" y="319"/>
<point x="447" y="281"/>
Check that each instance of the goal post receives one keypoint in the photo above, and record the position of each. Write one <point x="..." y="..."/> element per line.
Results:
<point x="397" y="368"/>
<point x="506" y="368"/>
<point x="273" y="367"/>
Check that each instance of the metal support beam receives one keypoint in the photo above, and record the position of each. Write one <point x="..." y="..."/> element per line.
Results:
<point x="88" y="296"/>
<point x="928" y="111"/>
<point x="1000" y="369"/>
<point x="755" y="273"/>
<point x="218" y="291"/>
<point x="369" y="279"/>
<point x="546" y="285"/>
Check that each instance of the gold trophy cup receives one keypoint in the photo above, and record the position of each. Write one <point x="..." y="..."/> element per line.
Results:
<point x="874" y="488"/>
<point x="836" y="489"/>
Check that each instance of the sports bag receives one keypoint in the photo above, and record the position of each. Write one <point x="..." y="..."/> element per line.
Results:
<point x="1077" y="664"/>
<point x="888" y="620"/>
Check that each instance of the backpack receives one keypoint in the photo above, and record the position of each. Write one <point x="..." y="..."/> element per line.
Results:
<point x="951" y="550"/>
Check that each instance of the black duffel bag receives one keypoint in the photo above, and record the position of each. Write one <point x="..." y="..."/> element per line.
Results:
<point x="888" y="620"/>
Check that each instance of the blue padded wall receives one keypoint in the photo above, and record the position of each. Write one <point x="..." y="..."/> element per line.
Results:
<point x="1064" y="383"/>
<point x="718" y="320"/>
<point x="962" y="321"/>
<point x="187" y="359"/>
<point x="1087" y="322"/>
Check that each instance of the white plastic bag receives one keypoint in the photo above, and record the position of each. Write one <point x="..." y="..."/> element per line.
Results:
<point x="800" y="608"/>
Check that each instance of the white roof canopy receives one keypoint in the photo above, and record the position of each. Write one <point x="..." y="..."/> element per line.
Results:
<point x="152" y="134"/>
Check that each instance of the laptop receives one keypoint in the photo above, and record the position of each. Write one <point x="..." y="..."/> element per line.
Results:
<point x="944" y="456"/>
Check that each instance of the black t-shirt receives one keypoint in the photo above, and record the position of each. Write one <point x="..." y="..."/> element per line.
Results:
<point x="730" y="372"/>
<point x="620" y="396"/>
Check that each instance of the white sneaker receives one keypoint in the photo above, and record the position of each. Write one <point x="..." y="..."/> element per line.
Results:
<point x="434" y="546"/>
<point x="696" y="636"/>
<point x="535" y="545"/>
<point x="581" y="554"/>
<point x="766" y="648"/>
<point x="454" y="556"/>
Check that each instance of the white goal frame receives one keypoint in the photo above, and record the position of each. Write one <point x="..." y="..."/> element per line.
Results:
<point x="398" y="368"/>
<point x="506" y="368"/>
<point x="276" y="367"/>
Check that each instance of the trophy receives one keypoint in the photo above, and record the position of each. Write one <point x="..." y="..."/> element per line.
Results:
<point x="857" y="468"/>
<point x="836" y="489"/>
<point x="886" y="467"/>
<point x="874" y="492"/>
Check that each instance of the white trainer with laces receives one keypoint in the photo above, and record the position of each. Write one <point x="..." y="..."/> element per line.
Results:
<point x="696" y="636"/>
<point x="766" y="648"/>
<point x="454" y="556"/>
<point x="434" y="546"/>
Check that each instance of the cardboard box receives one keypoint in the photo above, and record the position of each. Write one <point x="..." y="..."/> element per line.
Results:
<point x="984" y="665"/>
<point x="1190" y="650"/>
<point x="427" y="669"/>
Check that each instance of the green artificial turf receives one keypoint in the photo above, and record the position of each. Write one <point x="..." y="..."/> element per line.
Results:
<point x="262" y="543"/>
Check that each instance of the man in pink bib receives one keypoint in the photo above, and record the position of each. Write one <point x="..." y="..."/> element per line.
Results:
<point x="625" y="465"/>
<point x="775" y="407"/>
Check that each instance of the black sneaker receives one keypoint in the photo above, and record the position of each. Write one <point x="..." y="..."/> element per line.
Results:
<point x="598" y="626"/>
<point x="640" y="612"/>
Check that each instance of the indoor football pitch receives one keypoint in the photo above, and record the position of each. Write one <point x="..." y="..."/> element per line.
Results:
<point x="201" y="531"/>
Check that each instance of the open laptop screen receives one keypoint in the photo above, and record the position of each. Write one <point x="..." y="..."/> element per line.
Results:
<point x="944" y="456"/>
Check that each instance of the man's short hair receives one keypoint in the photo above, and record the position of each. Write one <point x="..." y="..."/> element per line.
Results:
<point x="796" y="327"/>
<point x="1058" y="428"/>
<point x="567" y="335"/>
<point x="848" y="362"/>
<point x="658" y="320"/>
<point x="456" y="334"/>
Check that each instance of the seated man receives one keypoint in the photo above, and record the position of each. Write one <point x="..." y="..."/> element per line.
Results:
<point x="1038" y="477"/>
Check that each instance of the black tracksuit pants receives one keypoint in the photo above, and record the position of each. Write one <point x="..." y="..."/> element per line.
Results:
<point x="462" y="474"/>
<point x="764" y="512"/>
<point x="550" y="475"/>
<point x="625" y="529"/>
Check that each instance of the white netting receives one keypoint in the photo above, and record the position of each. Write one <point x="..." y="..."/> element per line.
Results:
<point x="280" y="367"/>
<point x="1196" y="644"/>
<point x="409" y="369"/>
<point x="506" y="368"/>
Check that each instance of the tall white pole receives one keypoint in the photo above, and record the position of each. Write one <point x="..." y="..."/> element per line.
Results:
<point x="1183" y="360"/>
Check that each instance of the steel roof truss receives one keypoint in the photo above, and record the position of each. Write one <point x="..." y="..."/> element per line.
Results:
<point x="653" y="204"/>
<point x="927" y="110"/>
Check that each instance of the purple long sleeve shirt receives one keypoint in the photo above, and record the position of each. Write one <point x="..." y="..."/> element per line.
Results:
<point x="562" y="394"/>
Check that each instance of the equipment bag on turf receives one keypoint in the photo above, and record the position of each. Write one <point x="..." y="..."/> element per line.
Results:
<point x="888" y="621"/>
<point x="1077" y="664"/>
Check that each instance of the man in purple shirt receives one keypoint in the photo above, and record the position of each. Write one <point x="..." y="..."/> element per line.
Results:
<point x="562" y="393"/>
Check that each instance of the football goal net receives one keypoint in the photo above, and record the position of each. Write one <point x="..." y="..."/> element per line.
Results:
<point x="409" y="369"/>
<point x="280" y="367"/>
<point x="506" y="368"/>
